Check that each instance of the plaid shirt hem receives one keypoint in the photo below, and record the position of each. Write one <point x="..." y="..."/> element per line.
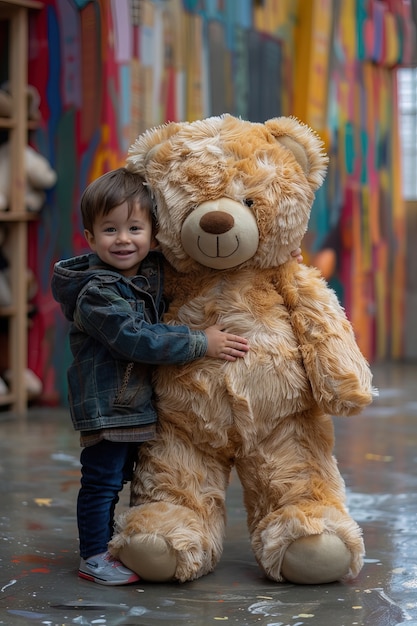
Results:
<point x="130" y="435"/>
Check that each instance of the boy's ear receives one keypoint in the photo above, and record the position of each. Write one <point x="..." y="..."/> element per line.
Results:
<point x="154" y="243"/>
<point x="89" y="237"/>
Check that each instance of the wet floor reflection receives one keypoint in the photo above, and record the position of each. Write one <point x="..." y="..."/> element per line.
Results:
<point x="377" y="455"/>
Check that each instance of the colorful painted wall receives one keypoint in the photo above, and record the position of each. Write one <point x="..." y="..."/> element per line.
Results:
<point x="108" y="69"/>
<point x="360" y="210"/>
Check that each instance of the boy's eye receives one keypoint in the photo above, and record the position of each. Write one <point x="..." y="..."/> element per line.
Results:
<point x="109" y="229"/>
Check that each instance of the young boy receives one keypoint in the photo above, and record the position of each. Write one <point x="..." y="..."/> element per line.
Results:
<point x="113" y="298"/>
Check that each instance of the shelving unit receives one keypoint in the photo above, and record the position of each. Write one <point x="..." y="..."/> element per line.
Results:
<point x="16" y="218"/>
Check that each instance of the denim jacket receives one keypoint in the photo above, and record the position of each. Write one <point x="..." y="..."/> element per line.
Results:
<point x="116" y="340"/>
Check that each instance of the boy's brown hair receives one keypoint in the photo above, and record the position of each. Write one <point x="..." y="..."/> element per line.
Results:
<point x="110" y="191"/>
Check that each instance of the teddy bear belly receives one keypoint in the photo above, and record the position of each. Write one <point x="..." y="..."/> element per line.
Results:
<point x="216" y="402"/>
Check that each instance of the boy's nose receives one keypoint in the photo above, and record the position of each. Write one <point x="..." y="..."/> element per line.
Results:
<point x="123" y="236"/>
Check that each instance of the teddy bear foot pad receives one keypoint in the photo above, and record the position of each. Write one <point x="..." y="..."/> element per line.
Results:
<point x="315" y="560"/>
<point x="150" y="557"/>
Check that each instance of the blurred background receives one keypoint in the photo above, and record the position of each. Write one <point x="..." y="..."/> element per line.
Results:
<point x="99" y="72"/>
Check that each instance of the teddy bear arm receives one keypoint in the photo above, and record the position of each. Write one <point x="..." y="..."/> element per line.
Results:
<point x="340" y="376"/>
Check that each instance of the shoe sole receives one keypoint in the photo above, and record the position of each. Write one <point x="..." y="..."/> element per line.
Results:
<point x="112" y="583"/>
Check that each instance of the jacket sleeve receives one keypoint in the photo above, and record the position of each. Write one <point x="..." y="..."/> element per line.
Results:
<point x="107" y="317"/>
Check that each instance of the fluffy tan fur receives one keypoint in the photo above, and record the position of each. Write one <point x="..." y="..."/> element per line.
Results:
<point x="267" y="415"/>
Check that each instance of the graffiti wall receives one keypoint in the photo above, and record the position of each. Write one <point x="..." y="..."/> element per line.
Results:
<point x="108" y="69"/>
<point x="360" y="212"/>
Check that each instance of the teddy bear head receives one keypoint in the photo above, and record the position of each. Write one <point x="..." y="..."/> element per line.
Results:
<point x="230" y="193"/>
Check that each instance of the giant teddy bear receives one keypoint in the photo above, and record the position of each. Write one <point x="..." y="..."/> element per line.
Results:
<point x="233" y="200"/>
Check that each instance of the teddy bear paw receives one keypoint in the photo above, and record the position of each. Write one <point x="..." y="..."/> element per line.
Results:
<point x="316" y="559"/>
<point x="150" y="557"/>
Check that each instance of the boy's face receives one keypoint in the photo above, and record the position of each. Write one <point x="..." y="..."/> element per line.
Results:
<point x="122" y="241"/>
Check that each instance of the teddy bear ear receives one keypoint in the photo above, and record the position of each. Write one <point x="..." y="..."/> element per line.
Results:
<point x="304" y="143"/>
<point x="146" y="144"/>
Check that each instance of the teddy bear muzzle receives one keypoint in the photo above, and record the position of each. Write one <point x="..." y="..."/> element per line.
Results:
<point x="220" y="234"/>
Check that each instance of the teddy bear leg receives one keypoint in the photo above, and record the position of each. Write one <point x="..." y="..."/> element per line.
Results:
<point x="176" y="526"/>
<point x="307" y="544"/>
<point x="316" y="559"/>
<point x="300" y="528"/>
<point x="162" y="541"/>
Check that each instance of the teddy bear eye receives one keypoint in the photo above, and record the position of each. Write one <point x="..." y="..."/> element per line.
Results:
<point x="248" y="202"/>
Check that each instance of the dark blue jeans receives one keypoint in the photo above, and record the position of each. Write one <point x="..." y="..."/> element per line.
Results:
<point x="106" y="467"/>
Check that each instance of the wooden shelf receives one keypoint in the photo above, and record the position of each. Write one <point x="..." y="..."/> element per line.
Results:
<point x="15" y="12"/>
<point x="15" y="4"/>
<point x="9" y="122"/>
<point x="6" y="399"/>
<point x="9" y="311"/>
<point x="18" y="216"/>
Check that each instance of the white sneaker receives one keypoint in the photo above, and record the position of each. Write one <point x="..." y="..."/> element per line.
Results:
<point x="106" y="570"/>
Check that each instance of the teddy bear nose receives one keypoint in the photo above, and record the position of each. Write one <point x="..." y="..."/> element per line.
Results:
<point x="217" y="222"/>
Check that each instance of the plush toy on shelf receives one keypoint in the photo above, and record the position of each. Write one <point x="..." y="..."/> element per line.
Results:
<point x="39" y="176"/>
<point x="33" y="383"/>
<point x="233" y="200"/>
<point x="32" y="102"/>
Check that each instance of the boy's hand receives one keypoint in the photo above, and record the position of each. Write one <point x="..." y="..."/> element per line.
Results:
<point x="297" y="255"/>
<point x="223" y="345"/>
<point x="229" y="347"/>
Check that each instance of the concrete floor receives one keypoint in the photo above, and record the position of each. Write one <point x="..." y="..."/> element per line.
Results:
<point x="39" y="558"/>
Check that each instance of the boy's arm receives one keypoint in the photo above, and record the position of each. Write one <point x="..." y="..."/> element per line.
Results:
<point x="109" y="319"/>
